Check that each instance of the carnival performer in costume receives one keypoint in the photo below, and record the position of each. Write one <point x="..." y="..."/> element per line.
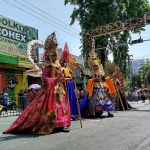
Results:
<point x="118" y="80"/>
<point x="68" y="74"/>
<point x="97" y="89"/>
<point x="50" y="109"/>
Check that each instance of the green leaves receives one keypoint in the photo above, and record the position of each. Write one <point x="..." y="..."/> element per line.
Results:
<point x="94" y="13"/>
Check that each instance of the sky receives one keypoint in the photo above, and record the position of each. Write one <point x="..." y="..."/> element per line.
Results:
<point x="55" y="11"/>
<point x="51" y="11"/>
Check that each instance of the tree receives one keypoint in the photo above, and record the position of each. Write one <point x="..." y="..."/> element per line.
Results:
<point x="144" y="72"/>
<point x="109" y="68"/>
<point x="136" y="81"/>
<point x="94" y="13"/>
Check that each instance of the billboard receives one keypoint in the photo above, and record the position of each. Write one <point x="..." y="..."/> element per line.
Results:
<point x="15" y="36"/>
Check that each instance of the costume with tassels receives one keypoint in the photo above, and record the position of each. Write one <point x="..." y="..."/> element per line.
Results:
<point x="67" y="69"/>
<point x="118" y="80"/>
<point x="50" y="109"/>
<point x="97" y="89"/>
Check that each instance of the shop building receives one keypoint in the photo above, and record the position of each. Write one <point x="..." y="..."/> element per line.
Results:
<point x="14" y="63"/>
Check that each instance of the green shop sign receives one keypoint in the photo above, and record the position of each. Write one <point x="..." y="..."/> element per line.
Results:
<point x="9" y="59"/>
<point x="15" y="36"/>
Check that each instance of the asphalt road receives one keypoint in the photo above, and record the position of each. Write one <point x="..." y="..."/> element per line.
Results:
<point x="128" y="130"/>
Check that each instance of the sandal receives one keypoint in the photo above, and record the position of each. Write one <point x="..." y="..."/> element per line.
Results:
<point x="66" y="129"/>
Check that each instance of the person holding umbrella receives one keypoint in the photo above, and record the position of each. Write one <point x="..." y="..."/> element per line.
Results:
<point x="32" y="92"/>
<point x="32" y="95"/>
<point x="50" y="109"/>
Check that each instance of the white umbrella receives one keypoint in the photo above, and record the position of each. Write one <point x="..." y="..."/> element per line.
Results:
<point x="34" y="86"/>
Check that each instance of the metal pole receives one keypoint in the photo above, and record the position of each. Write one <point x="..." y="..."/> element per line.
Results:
<point x="84" y="84"/>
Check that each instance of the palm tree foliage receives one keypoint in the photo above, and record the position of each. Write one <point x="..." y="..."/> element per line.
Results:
<point x="94" y="13"/>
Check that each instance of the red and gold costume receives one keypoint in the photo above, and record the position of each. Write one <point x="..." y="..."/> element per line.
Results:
<point x="50" y="109"/>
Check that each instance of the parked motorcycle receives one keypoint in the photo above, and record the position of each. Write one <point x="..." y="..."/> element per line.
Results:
<point x="11" y="104"/>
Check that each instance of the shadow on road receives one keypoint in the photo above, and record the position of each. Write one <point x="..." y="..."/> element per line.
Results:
<point x="95" y="118"/>
<point x="17" y="136"/>
<point x="137" y="110"/>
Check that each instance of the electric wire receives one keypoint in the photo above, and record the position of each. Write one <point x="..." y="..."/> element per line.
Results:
<point x="45" y="17"/>
<point x="54" y="8"/>
<point x="50" y="15"/>
<point x="41" y="19"/>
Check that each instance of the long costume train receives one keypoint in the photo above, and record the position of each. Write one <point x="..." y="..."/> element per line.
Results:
<point x="42" y="115"/>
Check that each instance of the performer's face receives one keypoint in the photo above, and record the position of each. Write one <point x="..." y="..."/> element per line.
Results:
<point x="54" y="57"/>
<point x="95" y="68"/>
<point x="65" y="64"/>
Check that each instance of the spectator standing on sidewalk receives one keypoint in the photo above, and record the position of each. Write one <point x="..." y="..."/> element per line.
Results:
<point x="32" y="94"/>
<point x="5" y="103"/>
<point x="20" y="98"/>
<point x="25" y="99"/>
<point x="135" y="95"/>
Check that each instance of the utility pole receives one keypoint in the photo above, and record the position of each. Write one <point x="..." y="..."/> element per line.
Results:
<point x="84" y="82"/>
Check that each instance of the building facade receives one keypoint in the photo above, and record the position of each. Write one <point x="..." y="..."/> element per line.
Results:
<point x="14" y="63"/>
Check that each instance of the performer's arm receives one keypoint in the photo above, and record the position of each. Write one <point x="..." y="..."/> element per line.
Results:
<point x="45" y="73"/>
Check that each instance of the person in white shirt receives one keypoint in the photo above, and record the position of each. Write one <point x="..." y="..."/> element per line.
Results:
<point x="135" y="95"/>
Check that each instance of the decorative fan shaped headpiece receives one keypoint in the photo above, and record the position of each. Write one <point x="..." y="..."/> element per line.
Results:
<point x="51" y="44"/>
<point x="31" y="51"/>
<point x="117" y="68"/>
<point x="72" y="63"/>
<point x="65" y="54"/>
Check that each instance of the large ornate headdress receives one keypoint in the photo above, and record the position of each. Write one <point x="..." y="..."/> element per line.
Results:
<point x="65" y="54"/>
<point x="117" y="68"/>
<point x="93" y="60"/>
<point x="51" y="45"/>
<point x="72" y="63"/>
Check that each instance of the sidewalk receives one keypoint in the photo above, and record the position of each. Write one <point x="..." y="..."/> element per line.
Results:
<point x="139" y="103"/>
<point x="16" y="112"/>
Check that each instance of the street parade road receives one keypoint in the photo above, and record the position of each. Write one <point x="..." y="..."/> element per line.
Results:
<point x="128" y="130"/>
